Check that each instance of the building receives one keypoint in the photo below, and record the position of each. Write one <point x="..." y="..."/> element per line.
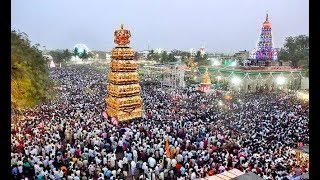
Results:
<point x="193" y="52"/>
<point x="144" y="54"/>
<point x="242" y="55"/>
<point x="206" y="82"/>
<point x="202" y="51"/>
<point x="108" y="56"/>
<point x="221" y="56"/>
<point x="264" y="50"/>
<point x="174" y="75"/>
<point x="257" y="78"/>
<point x="48" y="58"/>
<point x="123" y="100"/>
<point x="52" y="64"/>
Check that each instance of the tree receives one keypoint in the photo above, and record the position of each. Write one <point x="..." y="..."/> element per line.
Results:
<point x="171" y="58"/>
<point x="156" y="57"/>
<point x="205" y="59"/>
<point x="150" y="54"/>
<point x="84" y="55"/>
<point x="202" y="60"/>
<point x="153" y="56"/>
<point x="60" y="56"/>
<point x="91" y="55"/>
<point x="295" y="50"/>
<point x="198" y="57"/>
<point x="30" y="83"/>
<point x="67" y="55"/>
<point x="164" y="56"/>
<point x="76" y="52"/>
<point x="57" y="56"/>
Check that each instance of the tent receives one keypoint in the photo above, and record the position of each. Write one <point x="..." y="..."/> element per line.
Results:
<point x="248" y="176"/>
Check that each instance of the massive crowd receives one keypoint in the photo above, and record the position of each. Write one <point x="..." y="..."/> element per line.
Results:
<point x="69" y="138"/>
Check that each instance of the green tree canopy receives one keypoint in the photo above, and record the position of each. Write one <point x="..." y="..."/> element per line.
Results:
<point x="164" y="57"/>
<point x="154" y="56"/>
<point x="67" y="55"/>
<point x="60" y="56"/>
<point x="171" y="58"/>
<point x="76" y="52"/>
<point x="84" y="55"/>
<point x="296" y="49"/>
<point x="202" y="60"/>
<point x="29" y="73"/>
<point x="150" y="54"/>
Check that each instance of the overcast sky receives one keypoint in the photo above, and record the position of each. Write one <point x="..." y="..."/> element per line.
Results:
<point x="222" y="26"/>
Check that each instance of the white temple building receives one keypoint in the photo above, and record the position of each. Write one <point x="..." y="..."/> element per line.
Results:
<point x="52" y="64"/>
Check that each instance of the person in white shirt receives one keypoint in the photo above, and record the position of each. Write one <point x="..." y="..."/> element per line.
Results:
<point x="161" y="151"/>
<point x="152" y="162"/>
<point x="193" y="176"/>
<point x="105" y="160"/>
<point x="114" y="173"/>
<point x="168" y="163"/>
<point x="20" y="169"/>
<point x="104" y="169"/>
<point x="173" y="162"/>
<point x="120" y="164"/>
<point x="113" y="160"/>
<point x="145" y="167"/>
<point x="135" y="155"/>
<point x="133" y="167"/>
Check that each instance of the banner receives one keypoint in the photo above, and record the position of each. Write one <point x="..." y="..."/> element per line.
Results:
<point x="167" y="148"/>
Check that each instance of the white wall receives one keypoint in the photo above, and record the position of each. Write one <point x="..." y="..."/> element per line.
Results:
<point x="305" y="83"/>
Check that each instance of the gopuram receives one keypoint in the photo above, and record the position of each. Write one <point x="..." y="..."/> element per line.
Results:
<point x="206" y="84"/>
<point x="123" y="97"/>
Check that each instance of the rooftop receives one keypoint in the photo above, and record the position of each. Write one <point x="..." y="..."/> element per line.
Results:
<point x="254" y="69"/>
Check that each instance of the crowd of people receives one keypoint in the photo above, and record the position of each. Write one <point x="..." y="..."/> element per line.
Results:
<point x="69" y="138"/>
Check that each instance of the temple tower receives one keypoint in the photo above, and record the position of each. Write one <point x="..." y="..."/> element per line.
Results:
<point x="264" y="49"/>
<point x="206" y="83"/>
<point x="123" y="99"/>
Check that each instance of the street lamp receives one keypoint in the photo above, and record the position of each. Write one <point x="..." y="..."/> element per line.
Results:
<point x="281" y="80"/>
<point x="233" y="64"/>
<point x="236" y="81"/>
<point x="216" y="63"/>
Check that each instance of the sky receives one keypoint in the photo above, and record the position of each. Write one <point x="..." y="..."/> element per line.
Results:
<point x="218" y="25"/>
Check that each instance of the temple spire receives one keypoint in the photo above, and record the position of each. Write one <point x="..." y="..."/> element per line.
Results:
<point x="267" y="17"/>
<point x="206" y="77"/>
